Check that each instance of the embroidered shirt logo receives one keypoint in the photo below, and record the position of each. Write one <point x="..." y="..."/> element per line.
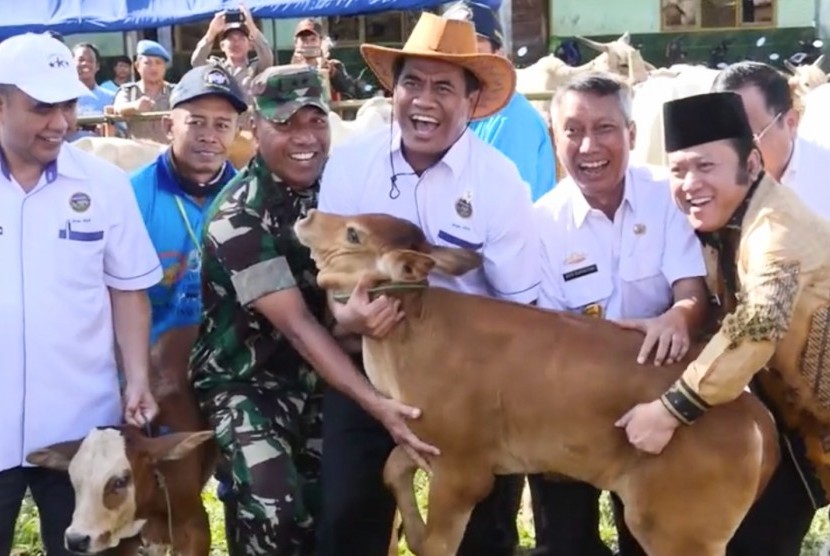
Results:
<point x="80" y="202"/>
<point x="464" y="205"/>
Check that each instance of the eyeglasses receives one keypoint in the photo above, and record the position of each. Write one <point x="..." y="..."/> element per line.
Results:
<point x="758" y="136"/>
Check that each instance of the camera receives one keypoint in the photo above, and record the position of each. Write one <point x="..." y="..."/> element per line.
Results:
<point x="234" y="16"/>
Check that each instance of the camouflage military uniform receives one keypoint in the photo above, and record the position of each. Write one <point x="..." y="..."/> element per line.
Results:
<point x="260" y="396"/>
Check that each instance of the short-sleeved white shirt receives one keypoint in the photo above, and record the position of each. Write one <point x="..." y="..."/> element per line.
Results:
<point x="806" y="174"/>
<point x="627" y="266"/>
<point x="76" y="233"/>
<point x="473" y="198"/>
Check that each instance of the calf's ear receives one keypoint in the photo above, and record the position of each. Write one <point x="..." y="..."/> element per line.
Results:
<point x="175" y="445"/>
<point x="453" y="260"/>
<point x="404" y="265"/>
<point x="56" y="456"/>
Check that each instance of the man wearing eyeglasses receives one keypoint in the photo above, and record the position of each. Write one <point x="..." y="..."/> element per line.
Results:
<point x="792" y="160"/>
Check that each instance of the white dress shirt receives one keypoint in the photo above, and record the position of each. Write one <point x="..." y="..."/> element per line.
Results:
<point x="472" y="198"/>
<point x="626" y="266"/>
<point x="63" y="244"/>
<point x="807" y="175"/>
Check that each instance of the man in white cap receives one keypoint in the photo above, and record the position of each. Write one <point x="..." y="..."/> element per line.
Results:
<point x="77" y="261"/>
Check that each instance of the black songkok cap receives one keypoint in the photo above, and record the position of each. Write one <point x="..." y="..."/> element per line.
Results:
<point x="699" y="119"/>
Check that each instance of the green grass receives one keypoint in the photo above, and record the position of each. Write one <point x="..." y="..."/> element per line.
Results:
<point x="27" y="540"/>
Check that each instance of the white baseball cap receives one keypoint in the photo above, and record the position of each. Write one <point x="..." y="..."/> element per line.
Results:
<point x="42" y="67"/>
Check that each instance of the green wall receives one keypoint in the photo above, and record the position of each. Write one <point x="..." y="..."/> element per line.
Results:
<point x="784" y="42"/>
<point x="606" y="17"/>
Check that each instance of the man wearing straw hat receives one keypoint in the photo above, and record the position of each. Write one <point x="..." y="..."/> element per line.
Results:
<point x="430" y="169"/>
<point x="772" y="277"/>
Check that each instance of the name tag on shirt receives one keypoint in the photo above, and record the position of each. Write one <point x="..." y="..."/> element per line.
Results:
<point x="74" y="235"/>
<point x="80" y="236"/>
<point x="580" y="272"/>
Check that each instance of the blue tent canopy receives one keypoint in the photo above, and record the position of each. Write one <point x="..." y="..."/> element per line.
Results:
<point x="96" y="16"/>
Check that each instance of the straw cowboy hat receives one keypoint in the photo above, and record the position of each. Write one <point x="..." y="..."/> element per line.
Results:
<point x="452" y="41"/>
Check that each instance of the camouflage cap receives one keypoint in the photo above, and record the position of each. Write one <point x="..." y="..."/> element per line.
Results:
<point x="280" y="91"/>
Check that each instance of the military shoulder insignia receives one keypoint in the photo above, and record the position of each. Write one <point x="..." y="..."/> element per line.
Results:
<point x="464" y="205"/>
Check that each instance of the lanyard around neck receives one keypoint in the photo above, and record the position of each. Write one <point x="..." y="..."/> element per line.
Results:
<point x="187" y="225"/>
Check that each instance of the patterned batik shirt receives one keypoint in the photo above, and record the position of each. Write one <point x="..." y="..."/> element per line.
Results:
<point x="250" y="250"/>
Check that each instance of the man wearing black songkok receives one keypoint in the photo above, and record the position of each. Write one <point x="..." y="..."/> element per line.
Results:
<point x="771" y="276"/>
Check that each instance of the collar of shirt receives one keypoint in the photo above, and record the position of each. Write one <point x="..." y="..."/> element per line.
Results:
<point x="454" y="159"/>
<point x="172" y="181"/>
<point x="277" y="192"/>
<point x="581" y="208"/>
<point x="65" y="165"/>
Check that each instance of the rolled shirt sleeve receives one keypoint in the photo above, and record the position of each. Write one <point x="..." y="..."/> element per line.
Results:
<point x="200" y="54"/>
<point x="747" y="339"/>
<point x="130" y="259"/>
<point x="265" y="56"/>
<point x="244" y="245"/>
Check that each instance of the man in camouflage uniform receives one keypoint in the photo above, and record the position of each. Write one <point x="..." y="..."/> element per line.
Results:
<point x="261" y="327"/>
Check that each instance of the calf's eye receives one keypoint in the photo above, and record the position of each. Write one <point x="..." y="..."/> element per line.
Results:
<point x="351" y="235"/>
<point x="121" y="482"/>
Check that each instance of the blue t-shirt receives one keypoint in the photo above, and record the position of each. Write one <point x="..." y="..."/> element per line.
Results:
<point x="95" y="104"/>
<point x="520" y="133"/>
<point x="176" y="300"/>
<point x="110" y="86"/>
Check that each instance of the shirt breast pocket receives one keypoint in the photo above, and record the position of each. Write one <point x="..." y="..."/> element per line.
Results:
<point x="80" y="254"/>
<point x="586" y="285"/>
<point x="646" y="293"/>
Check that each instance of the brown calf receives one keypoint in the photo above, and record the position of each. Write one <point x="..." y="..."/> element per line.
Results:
<point x="507" y="388"/>
<point x="132" y="490"/>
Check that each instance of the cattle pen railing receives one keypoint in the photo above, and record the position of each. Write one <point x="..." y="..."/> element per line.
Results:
<point x="347" y="109"/>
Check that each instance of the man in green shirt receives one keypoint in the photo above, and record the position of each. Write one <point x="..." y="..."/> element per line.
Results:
<point x="261" y="344"/>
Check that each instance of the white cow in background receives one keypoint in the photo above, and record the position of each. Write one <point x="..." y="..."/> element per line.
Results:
<point x="804" y="79"/>
<point x="375" y="113"/>
<point x="127" y="154"/>
<point x="549" y="72"/>
<point x="132" y="154"/>
<point x="663" y="85"/>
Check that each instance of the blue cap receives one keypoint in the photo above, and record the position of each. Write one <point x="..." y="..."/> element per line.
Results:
<point x="484" y="19"/>
<point x="206" y="80"/>
<point x="152" y="48"/>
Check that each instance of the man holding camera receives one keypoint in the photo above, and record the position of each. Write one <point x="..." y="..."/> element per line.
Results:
<point x="312" y="48"/>
<point x="237" y="34"/>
